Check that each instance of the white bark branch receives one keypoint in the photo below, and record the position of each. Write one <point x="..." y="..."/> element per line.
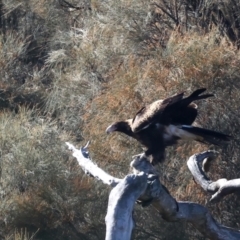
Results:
<point x="122" y="198"/>
<point x="145" y="184"/>
<point x="89" y="167"/>
<point x="219" y="188"/>
<point x="121" y="201"/>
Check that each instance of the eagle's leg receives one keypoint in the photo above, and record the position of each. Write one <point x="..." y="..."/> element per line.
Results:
<point x="155" y="156"/>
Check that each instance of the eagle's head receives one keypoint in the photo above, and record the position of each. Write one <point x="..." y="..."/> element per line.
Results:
<point x="122" y="126"/>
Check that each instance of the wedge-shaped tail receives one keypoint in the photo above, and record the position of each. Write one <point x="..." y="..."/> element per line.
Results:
<point x="207" y="136"/>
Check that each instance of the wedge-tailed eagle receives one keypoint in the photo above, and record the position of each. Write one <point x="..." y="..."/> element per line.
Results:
<point x="163" y="122"/>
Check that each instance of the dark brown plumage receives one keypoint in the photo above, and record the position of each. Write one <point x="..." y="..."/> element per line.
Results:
<point x="163" y="122"/>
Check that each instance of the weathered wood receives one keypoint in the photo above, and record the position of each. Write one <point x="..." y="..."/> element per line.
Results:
<point x="145" y="184"/>
<point x="194" y="213"/>
<point x="89" y="167"/>
<point x="219" y="188"/>
<point x="202" y="220"/>
<point x="121" y="201"/>
<point x="125" y="192"/>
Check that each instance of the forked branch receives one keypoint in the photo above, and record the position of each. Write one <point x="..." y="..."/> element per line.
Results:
<point x="144" y="184"/>
<point x="198" y="165"/>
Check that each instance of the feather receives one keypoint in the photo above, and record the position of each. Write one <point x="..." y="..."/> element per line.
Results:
<point x="163" y="122"/>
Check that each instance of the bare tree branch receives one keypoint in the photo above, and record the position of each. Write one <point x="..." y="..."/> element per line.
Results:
<point x="121" y="201"/>
<point x="193" y="213"/>
<point x="144" y="184"/>
<point x="122" y="198"/>
<point x="89" y="167"/>
<point x="219" y="188"/>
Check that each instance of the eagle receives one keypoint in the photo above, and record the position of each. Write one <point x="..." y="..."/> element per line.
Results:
<point x="163" y="122"/>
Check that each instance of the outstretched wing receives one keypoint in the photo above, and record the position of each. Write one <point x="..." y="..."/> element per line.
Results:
<point x="172" y="110"/>
<point x="154" y="112"/>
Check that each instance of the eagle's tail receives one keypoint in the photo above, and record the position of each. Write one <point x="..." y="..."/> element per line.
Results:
<point x="204" y="135"/>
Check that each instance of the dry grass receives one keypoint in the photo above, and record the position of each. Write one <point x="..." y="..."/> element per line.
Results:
<point x="21" y="234"/>
<point x="40" y="187"/>
<point x="188" y="63"/>
<point x="66" y="74"/>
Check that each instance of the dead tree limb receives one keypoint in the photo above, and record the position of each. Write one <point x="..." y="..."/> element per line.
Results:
<point x="121" y="201"/>
<point x="122" y="198"/>
<point x="219" y="188"/>
<point x="144" y="184"/>
<point x="89" y="167"/>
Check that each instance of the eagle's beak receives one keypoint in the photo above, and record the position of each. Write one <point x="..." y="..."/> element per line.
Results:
<point x="110" y="129"/>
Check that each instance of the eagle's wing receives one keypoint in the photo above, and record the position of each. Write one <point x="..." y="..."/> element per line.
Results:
<point x="184" y="111"/>
<point x="172" y="110"/>
<point x="154" y="112"/>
